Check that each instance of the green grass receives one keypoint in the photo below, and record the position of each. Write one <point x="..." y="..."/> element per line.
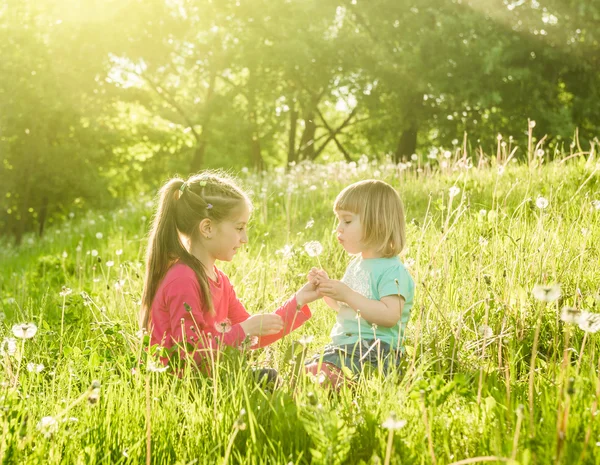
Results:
<point x="465" y="388"/>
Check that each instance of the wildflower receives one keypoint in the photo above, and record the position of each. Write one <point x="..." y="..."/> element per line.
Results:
<point x="357" y="314"/>
<point x="94" y="253"/>
<point x="310" y="224"/>
<point x="47" y="426"/>
<point x="313" y="248"/>
<point x="409" y="262"/>
<point x="65" y="254"/>
<point x="286" y="252"/>
<point x="65" y="291"/>
<point x="531" y="124"/>
<point x="414" y="157"/>
<point x="224" y="326"/>
<point x="24" y="330"/>
<point x="447" y="154"/>
<point x="570" y="315"/>
<point x="305" y="340"/>
<point x="392" y="423"/>
<point x="540" y="153"/>
<point x="596" y="204"/>
<point x="482" y="212"/>
<point x="546" y="293"/>
<point x="119" y="252"/>
<point x="541" y="202"/>
<point x="485" y="331"/>
<point x="499" y="137"/>
<point x="110" y="263"/>
<point x="33" y="367"/>
<point x="99" y="235"/>
<point x="501" y="169"/>
<point x="156" y="367"/>
<point x="589" y="322"/>
<point x="8" y="346"/>
<point x="240" y="423"/>
<point x="454" y="191"/>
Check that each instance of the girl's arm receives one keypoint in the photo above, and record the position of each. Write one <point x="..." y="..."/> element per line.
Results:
<point x="293" y="313"/>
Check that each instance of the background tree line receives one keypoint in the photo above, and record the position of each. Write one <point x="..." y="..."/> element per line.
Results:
<point x="103" y="99"/>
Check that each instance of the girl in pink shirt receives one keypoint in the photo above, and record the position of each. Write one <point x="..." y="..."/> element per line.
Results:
<point x="188" y="304"/>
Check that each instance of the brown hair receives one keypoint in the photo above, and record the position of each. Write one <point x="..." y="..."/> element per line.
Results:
<point x="381" y="213"/>
<point x="213" y="195"/>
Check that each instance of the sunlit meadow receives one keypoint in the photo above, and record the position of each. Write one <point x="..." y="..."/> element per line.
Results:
<point x="502" y="352"/>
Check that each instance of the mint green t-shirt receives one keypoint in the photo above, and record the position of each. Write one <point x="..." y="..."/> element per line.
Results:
<point x="374" y="278"/>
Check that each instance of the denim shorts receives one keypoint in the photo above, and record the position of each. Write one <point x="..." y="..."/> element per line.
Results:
<point x="371" y="354"/>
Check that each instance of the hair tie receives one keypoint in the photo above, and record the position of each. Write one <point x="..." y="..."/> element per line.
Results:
<point x="183" y="186"/>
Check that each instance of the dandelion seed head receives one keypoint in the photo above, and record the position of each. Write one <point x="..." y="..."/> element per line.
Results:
<point x="454" y="191"/>
<point x="65" y="291"/>
<point x="47" y="426"/>
<point x="546" y="293"/>
<point x="570" y="315"/>
<point x="99" y="235"/>
<point x="24" y="330"/>
<point x="313" y="248"/>
<point x="541" y="202"/>
<point x="589" y="322"/>
<point x="392" y="423"/>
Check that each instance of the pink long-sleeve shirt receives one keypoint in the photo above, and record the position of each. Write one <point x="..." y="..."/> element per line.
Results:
<point x="177" y="315"/>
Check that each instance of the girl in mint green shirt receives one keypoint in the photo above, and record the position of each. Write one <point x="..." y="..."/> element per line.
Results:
<point x="374" y="298"/>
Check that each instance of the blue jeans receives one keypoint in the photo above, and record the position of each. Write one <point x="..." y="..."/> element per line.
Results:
<point x="372" y="353"/>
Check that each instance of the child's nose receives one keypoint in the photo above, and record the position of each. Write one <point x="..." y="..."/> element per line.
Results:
<point x="244" y="238"/>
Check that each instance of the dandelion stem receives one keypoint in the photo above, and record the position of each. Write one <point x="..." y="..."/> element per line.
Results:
<point x="62" y="325"/>
<point x="388" y="450"/>
<point x="536" y="338"/>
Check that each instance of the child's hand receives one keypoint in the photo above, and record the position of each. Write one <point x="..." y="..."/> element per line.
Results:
<point x="315" y="275"/>
<point x="333" y="288"/>
<point x="307" y="294"/>
<point x="262" y="325"/>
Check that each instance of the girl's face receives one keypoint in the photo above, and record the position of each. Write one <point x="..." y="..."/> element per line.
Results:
<point x="229" y="235"/>
<point x="349" y="231"/>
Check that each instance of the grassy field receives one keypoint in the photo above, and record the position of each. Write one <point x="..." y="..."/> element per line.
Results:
<point x="492" y="373"/>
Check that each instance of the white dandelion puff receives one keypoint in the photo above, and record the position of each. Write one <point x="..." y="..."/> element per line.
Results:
<point x="393" y="423"/>
<point x="570" y="315"/>
<point x="47" y="426"/>
<point x="313" y="248"/>
<point x="546" y="293"/>
<point x="541" y="202"/>
<point x="454" y="191"/>
<point x="589" y="322"/>
<point x="24" y="330"/>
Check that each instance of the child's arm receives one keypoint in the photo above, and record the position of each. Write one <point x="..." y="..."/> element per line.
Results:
<point x="385" y="312"/>
<point x="331" y="303"/>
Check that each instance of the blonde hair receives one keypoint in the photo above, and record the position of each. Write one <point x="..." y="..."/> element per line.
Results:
<point x="381" y="213"/>
<point x="182" y="205"/>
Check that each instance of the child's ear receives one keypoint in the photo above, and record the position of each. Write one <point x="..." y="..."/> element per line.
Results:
<point x="206" y="228"/>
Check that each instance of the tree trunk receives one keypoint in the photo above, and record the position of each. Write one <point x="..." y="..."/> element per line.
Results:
<point x="307" y="142"/>
<point x="43" y="215"/>
<point x="292" y="154"/>
<point x="198" y="159"/>
<point x="407" y="144"/>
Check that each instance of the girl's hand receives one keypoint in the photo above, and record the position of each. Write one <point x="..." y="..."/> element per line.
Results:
<point x="262" y="325"/>
<point x="307" y="294"/>
<point x="334" y="289"/>
<point x="315" y="275"/>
